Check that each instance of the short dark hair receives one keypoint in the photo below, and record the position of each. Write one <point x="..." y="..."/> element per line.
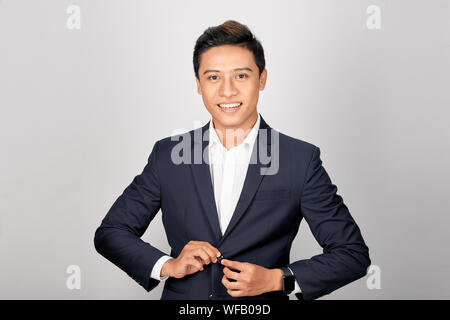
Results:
<point x="229" y="32"/>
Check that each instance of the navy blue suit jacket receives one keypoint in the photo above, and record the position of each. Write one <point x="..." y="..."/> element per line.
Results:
<point x="261" y="231"/>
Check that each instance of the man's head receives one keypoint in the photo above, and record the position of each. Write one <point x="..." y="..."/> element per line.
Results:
<point x="229" y="68"/>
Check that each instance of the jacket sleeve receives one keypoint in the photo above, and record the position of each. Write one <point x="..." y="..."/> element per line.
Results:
<point x="118" y="237"/>
<point x="345" y="256"/>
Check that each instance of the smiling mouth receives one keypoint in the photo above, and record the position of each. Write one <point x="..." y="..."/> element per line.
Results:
<point x="230" y="108"/>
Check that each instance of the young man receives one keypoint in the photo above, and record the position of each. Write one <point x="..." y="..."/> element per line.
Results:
<point x="231" y="217"/>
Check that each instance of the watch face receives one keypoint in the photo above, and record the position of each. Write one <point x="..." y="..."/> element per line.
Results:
<point x="289" y="284"/>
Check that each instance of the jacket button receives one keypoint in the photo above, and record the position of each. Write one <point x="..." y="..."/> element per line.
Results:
<point x="210" y="296"/>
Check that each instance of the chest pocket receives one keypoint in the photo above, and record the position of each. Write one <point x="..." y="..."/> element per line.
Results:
<point x="275" y="194"/>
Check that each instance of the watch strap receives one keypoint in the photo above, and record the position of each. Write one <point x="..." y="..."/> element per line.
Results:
<point x="288" y="278"/>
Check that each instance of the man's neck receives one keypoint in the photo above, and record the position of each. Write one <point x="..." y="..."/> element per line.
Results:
<point x="233" y="136"/>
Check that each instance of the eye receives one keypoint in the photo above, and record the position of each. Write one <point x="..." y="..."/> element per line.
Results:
<point x="211" y="77"/>
<point x="242" y="74"/>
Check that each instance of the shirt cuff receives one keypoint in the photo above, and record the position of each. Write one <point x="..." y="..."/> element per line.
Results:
<point x="297" y="287"/>
<point x="156" y="271"/>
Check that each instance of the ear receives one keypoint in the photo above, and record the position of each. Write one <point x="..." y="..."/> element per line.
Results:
<point x="263" y="79"/>
<point x="199" y="89"/>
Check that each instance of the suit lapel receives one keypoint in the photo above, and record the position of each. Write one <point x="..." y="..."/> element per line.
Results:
<point x="202" y="178"/>
<point x="253" y="178"/>
<point x="203" y="181"/>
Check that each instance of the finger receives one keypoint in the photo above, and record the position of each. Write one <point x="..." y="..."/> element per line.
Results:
<point x="231" y="274"/>
<point x="215" y="252"/>
<point x="235" y="265"/>
<point x="202" y="254"/>
<point x="236" y="293"/>
<point x="194" y="262"/>
<point x="210" y="251"/>
<point x="199" y="260"/>
<point x="232" y="285"/>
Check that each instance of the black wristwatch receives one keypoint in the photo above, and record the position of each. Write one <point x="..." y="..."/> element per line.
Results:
<point x="288" y="280"/>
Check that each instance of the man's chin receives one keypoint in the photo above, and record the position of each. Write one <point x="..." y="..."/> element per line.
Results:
<point x="228" y="121"/>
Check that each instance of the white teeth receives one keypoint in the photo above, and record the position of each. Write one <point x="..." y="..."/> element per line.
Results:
<point x="234" y="105"/>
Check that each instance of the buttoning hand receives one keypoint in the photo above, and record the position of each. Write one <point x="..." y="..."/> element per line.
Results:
<point x="191" y="259"/>
<point x="251" y="279"/>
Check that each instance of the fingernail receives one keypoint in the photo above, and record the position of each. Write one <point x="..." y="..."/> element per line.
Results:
<point x="218" y="254"/>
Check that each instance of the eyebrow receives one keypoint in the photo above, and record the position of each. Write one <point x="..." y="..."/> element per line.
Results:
<point x="237" y="69"/>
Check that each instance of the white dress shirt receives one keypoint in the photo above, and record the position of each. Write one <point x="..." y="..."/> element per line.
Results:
<point x="228" y="169"/>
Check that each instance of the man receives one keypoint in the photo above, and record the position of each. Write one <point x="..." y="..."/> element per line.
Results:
<point x="230" y="220"/>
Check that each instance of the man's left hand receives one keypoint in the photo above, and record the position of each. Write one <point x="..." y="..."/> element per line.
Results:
<point x="252" y="280"/>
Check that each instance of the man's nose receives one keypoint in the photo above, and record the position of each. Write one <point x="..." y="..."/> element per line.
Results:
<point x="227" y="88"/>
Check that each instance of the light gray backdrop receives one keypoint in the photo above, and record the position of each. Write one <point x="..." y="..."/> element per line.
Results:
<point x="82" y="108"/>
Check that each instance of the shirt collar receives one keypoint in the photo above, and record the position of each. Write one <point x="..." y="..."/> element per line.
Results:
<point x="248" y="140"/>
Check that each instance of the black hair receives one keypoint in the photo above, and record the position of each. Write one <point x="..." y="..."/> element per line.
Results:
<point x="229" y="32"/>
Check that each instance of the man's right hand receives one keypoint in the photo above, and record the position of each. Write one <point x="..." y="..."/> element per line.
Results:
<point x="191" y="259"/>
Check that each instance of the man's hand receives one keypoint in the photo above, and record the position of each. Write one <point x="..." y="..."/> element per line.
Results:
<point x="191" y="259"/>
<point x="252" y="280"/>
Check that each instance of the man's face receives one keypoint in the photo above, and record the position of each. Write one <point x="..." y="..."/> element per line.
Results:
<point x="229" y="75"/>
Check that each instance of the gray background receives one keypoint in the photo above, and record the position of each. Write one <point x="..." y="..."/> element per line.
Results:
<point x="81" y="110"/>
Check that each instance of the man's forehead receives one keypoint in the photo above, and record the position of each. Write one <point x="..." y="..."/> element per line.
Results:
<point x="225" y="55"/>
<point x="229" y="64"/>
